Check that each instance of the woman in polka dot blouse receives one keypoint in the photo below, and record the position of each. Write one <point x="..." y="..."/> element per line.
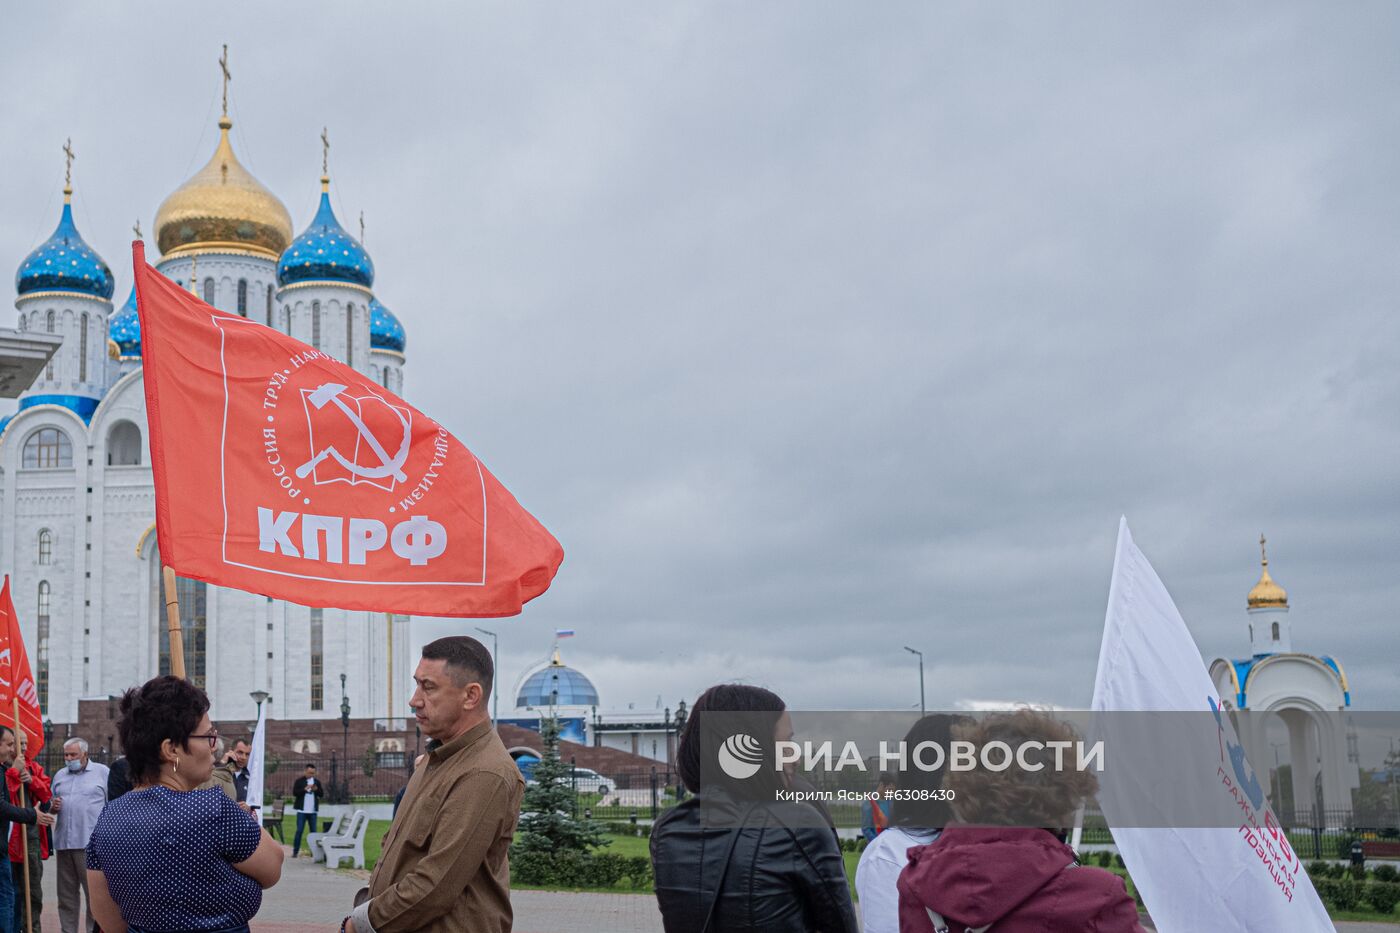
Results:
<point x="168" y="857"/>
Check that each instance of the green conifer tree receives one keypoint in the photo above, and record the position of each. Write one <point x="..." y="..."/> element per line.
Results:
<point x="547" y="822"/>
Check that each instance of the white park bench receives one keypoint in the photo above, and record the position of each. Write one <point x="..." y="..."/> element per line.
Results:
<point x="313" y="840"/>
<point x="349" y="844"/>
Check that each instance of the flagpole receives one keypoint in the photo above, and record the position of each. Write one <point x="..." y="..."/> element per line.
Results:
<point x="172" y="617"/>
<point x="389" y="623"/>
<point x="23" y="833"/>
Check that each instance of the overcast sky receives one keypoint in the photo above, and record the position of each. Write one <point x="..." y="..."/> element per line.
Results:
<point x="813" y="334"/>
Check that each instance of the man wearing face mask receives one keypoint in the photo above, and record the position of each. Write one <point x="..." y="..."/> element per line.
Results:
<point x="80" y="793"/>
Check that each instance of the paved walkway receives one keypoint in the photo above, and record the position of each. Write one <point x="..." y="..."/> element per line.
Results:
<point x="310" y="898"/>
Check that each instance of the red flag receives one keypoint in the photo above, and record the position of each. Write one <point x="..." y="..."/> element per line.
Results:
<point x="17" y="677"/>
<point x="282" y="471"/>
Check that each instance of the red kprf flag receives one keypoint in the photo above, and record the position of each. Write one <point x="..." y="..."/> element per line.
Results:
<point x="17" y="677"/>
<point x="282" y="471"/>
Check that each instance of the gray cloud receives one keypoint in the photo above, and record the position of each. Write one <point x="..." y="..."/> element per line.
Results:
<point x="812" y="334"/>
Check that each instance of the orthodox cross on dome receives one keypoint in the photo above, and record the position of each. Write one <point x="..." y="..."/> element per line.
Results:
<point x="325" y="152"/>
<point x="1263" y="554"/>
<point x="362" y="228"/>
<point x="136" y="229"/>
<point x="228" y="76"/>
<point x="68" y="158"/>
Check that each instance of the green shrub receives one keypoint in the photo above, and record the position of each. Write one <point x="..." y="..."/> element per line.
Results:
<point x="1386" y="873"/>
<point x="1346" y="894"/>
<point x="1118" y="860"/>
<point x="1382" y="895"/>
<point x="1319" y="870"/>
<point x="1357" y="872"/>
<point x="639" y="873"/>
<point x="1105" y="859"/>
<point x="1326" y="890"/>
<point x="567" y="868"/>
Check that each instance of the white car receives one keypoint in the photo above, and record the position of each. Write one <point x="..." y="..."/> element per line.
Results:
<point x="588" y="781"/>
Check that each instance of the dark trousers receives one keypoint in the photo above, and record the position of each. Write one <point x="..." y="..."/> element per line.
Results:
<point x="303" y="820"/>
<point x="7" y="902"/>
<point x="36" y="888"/>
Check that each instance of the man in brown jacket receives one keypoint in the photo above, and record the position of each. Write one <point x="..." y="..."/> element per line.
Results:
<point x="444" y="866"/>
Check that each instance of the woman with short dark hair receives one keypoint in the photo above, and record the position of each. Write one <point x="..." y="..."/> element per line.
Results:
<point x="735" y="857"/>
<point x="919" y="815"/>
<point x="168" y="856"/>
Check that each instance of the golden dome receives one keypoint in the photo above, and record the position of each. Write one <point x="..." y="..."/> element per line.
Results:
<point x="223" y="207"/>
<point x="1266" y="593"/>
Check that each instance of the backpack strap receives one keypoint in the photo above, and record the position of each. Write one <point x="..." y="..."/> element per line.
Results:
<point x="941" y="926"/>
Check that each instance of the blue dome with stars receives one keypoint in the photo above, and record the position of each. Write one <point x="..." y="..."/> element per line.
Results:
<point x="124" y="329"/>
<point x="65" y="263"/>
<point x="385" y="331"/>
<point x="556" y="684"/>
<point x="325" y="252"/>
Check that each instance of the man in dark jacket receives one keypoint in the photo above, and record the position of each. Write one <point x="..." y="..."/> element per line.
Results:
<point x="11" y="813"/>
<point x="118" y="779"/>
<point x="236" y="767"/>
<point x="306" y="797"/>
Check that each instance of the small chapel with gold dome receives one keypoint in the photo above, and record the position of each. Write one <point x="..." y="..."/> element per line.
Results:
<point x="77" y="502"/>
<point x="1304" y="691"/>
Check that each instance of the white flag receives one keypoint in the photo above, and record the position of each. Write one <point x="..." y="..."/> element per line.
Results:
<point x="1243" y="878"/>
<point x="256" y="759"/>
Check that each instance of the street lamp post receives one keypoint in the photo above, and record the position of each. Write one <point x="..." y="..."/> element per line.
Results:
<point x="495" y="683"/>
<point x="260" y="697"/>
<point x="921" y="677"/>
<point x="345" y="740"/>
<point x="672" y="748"/>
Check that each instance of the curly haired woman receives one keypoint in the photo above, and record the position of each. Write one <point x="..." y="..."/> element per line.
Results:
<point x="1004" y="865"/>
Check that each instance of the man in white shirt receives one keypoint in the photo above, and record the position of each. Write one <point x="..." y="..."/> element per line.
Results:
<point x="79" y="794"/>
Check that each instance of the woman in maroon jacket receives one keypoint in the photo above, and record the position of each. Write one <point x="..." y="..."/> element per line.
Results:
<point x="996" y="869"/>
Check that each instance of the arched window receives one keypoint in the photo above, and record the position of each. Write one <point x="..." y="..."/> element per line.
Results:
<point x="287" y="321"/>
<point x="386" y="379"/>
<point x="349" y="335"/>
<point x="318" y="680"/>
<point x="124" y="445"/>
<point x="23" y="323"/>
<point x="193" y="596"/>
<point x="269" y="306"/>
<point x="1275" y="631"/>
<point x="82" y="349"/>
<point x="243" y="297"/>
<point x="47" y="449"/>
<point x="45" y="546"/>
<point x="41" y="619"/>
<point x="316" y="324"/>
<point x="209" y="291"/>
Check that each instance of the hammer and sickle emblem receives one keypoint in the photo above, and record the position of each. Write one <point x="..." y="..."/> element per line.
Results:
<point x="329" y="393"/>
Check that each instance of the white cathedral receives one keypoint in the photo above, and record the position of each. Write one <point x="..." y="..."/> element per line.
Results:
<point x="77" y="503"/>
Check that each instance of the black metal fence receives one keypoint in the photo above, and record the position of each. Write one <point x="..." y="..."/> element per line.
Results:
<point x="625" y="794"/>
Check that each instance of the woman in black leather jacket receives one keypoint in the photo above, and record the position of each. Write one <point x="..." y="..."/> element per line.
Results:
<point x="733" y="858"/>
